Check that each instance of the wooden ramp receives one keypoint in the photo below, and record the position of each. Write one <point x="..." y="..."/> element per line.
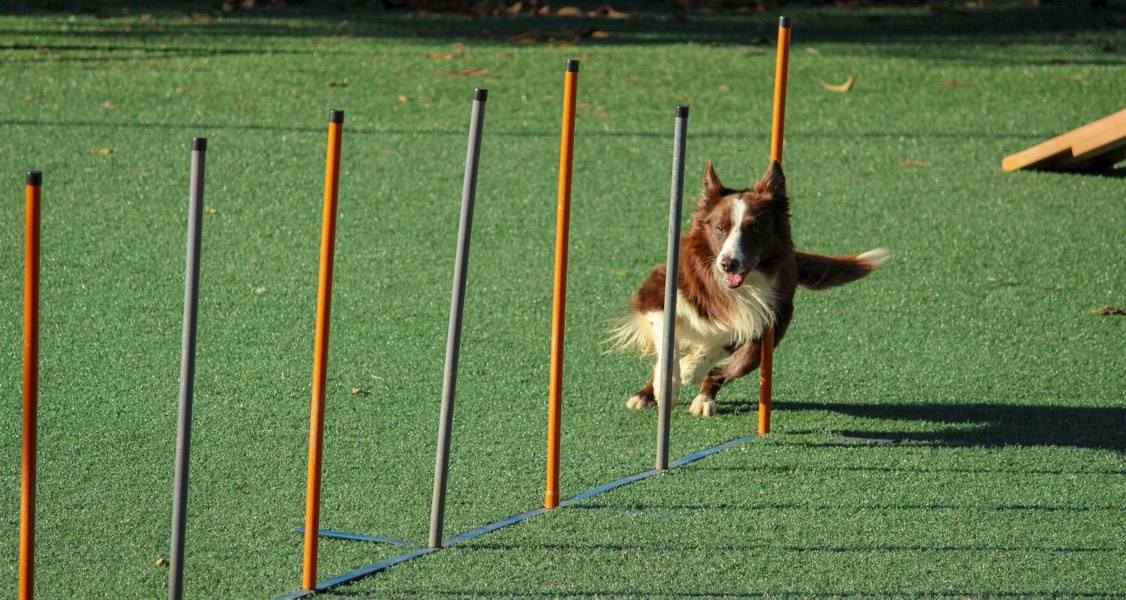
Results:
<point x="1092" y="147"/>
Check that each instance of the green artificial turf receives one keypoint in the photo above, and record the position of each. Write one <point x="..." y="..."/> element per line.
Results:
<point x="976" y="345"/>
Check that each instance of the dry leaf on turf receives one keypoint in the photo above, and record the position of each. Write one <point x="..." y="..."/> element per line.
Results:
<point x="1109" y="310"/>
<point x="100" y="151"/>
<point x="468" y="72"/>
<point x="844" y="87"/>
<point x="527" y="38"/>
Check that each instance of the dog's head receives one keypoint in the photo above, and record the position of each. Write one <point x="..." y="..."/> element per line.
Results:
<point x="745" y="229"/>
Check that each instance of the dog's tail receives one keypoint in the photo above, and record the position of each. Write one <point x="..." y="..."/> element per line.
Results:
<point x="818" y="272"/>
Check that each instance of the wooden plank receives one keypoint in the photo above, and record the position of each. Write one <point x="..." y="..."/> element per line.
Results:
<point x="1096" y="145"/>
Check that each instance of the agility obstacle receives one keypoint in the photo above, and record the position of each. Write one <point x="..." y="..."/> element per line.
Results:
<point x="1095" y="146"/>
<point x="187" y="372"/>
<point x="453" y="338"/>
<point x="320" y="349"/>
<point x="672" y="274"/>
<point x="777" y="121"/>
<point x="559" y="296"/>
<point x="29" y="446"/>
<point x="312" y="531"/>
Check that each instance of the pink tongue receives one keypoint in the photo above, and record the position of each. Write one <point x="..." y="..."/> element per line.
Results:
<point x="734" y="280"/>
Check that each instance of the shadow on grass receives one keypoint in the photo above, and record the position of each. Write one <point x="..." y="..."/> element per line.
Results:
<point x="636" y="592"/>
<point x="919" y="31"/>
<point x="979" y="424"/>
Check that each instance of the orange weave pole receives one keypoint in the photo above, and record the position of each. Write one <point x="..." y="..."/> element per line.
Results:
<point x="30" y="386"/>
<point x="320" y="351"/>
<point x="559" y="299"/>
<point x="781" y="72"/>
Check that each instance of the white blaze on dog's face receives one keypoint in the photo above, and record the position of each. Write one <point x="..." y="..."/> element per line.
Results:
<point x="741" y="223"/>
<point x="732" y="261"/>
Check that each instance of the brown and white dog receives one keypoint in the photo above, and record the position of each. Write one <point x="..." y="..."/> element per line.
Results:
<point x="738" y="274"/>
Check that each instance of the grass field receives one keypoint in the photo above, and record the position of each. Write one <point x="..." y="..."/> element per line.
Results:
<point x="976" y="346"/>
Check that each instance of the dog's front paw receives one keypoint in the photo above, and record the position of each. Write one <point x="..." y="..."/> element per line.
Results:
<point x="703" y="406"/>
<point x="639" y="401"/>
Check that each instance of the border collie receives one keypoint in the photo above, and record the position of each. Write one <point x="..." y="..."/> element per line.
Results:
<point x="738" y="272"/>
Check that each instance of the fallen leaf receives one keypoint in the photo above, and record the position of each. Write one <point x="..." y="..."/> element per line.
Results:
<point x="725" y="88"/>
<point x="360" y="392"/>
<point x="444" y="56"/>
<point x="637" y="80"/>
<point x="1109" y="310"/>
<point x="110" y="105"/>
<point x="952" y="83"/>
<point x="514" y="10"/>
<point x="570" y="11"/>
<point x="260" y="290"/>
<point x="181" y="90"/>
<point x="811" y="50"/>
<point x="844" y="87"/>
<point x="913" y="163"/>
<point x="210" y="211"/>
<point x="160" y="562"/>
<point x="100" y="151"/>
<point x="527" y="38"/>
<point x="403" y="98"/>
<point x="599" y="34"/>
<point x="610" y="11"/>
<point x="333" y="84"/>
<point x="468" y="72"/>
<point x="602" y="116"/>
<point x="31" y="97"/>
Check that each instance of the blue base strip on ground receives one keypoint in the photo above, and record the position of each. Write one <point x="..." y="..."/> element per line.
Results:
<point x="380" y="566"/>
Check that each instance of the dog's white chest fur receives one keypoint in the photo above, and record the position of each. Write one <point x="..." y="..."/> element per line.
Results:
<point x="701" y="342"/>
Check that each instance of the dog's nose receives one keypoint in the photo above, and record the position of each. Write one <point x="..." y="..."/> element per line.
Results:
<point x="729" y="264"/>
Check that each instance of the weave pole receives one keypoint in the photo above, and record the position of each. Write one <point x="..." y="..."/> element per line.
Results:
<point x="320" y="350"/>
<point x="672" y="273"/>
<point x="453" y="339"/>
<point x="559" y="299"/>
<point x="187" y="372"/>
<point x="32" y="189"/>
<point x="781" y="70"/>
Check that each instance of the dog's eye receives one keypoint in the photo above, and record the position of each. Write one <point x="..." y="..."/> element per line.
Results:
<point x="719" y="227"/>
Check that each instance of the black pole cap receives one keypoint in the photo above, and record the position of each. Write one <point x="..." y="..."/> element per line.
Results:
<point x="784" y="22"/>
<point x="35" y="178"/>
<point x="336" y="116"/>
<point x="682" y="111"/>
<point x="572" y="66"/>
<point x="199" y="144"/>
<point x="480" y="94"/>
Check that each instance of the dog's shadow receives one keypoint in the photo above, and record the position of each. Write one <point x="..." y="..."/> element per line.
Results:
<point x="973" y="424"/>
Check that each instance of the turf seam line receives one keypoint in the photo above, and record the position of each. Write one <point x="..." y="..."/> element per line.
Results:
<point x="362" y="572"/>
<point x="357" y="537"/>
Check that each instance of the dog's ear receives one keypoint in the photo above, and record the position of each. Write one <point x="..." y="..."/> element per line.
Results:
<point x="773" y="182"/>
<point x="713" y="187"/>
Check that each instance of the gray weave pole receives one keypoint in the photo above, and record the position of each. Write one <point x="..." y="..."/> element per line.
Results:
<point x="664" y="405"/>
<point x="453" y="339"/>
<point x="187" y="373"/>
